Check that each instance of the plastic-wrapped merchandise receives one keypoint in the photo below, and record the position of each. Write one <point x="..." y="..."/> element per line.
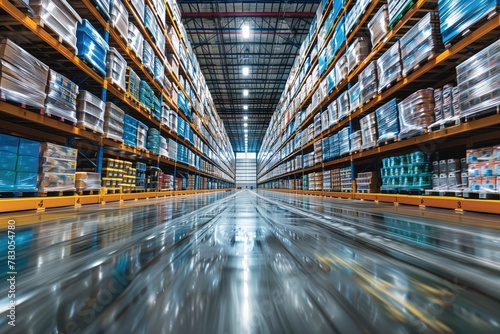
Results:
<point x="56" y="182"/>
<point x="457" y="16"/>
<point x="379" y="25"/>
<point x="139" y="8"/>
<point x="416" y="113"/>
<point x="355" y="14"/>
<point x="113" y="122"/>
<point x="148" y="57"/>
<point x="19" y="163"/>
<point x="116" y="67"/>
<point x="420" y="43"/>
<point x="387" y="121"/>
<point x="161" y="10"/>
<point x="23" y="78"/>
<point x="333" y="116"/>
<point x="92" y="48"/>
<point x="104" y="7"/>
<point x="343" y="105"/>
<point x="438" y="104"/>
<point x="397" y="9"/>
<point x="338" y="38"/>
<point x="119" y="18"/>
<point x="344" y="143"/>
<point x="355" y="139"/>
<point x="368" y="126"/>
<point x="87" y="181"/>
<point x="159" y="70"/>
<point x="357" y="52"/>
<point x="51" y="150"/>
<point x="153" y="141"/>
<point x="146" y="95"/>
<point x="133" y="84"/>
<point x="369" y="83"/>
<point x="345" y="179"/>
<point x="479" y="81"/>
<point x="406" y="173"/>
<point x="157" y="109"/>
<point x="61" y="97"/>
<point x="54" y="165"/>
<point x="341" y="69"/>
<point x="59" y="16"/>
<point x="90" y="112"/>
<point x="57" y="168"/>
<point x="355" y="97"/>
<point x="389" y="67"/>
<point x="330" y="81"/>
<point x="135" y="40"/>
<point x="142" y="135"/>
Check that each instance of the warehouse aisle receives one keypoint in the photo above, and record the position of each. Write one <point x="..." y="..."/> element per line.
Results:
<point x="254" y="262"/>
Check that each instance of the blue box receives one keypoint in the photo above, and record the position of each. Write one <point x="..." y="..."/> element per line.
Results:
<point x="7" y="180"/>
<point x="92" y="48"/>
<point x="29" y="148"/>
<point x="27" y="164"/>
<point x="26" y="181"/>
<point x="8" y="161"/>
<point x="9" y="143"/>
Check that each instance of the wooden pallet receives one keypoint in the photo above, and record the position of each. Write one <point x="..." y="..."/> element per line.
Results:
<point x="88" y="192"/>
<point x="481" y="195"/>
<point x="106" y="191"/>
<point x="54" y="34"/>
<point x="56" y="193"/>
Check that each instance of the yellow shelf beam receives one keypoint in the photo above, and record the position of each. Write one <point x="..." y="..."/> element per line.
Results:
<point x="444" y="202"/>
<point x="75" y="201"/>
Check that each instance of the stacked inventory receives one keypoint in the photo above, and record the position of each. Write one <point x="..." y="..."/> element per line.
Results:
<point x="135" y="40"/>
<point x="142" y="135"/>
<point x="416" y="113"/>
<point x="484" y="169"/>
<point x="129" y="177"/>
<point x="92" y="48"/>
<point x="59" y="16"/>
<point x="153" y="141"/>
<point x="112" y="174"/>
<point x="90" y="112"/>
<point x="355" y="140"/>
<point x="167" y="181"/>
<point x="344" y="143"/>
<point x="23" y="78"/>
<point x="343" y="105"/>
<point x="379" y="25"/>
<point x="146" y="95"/>
<point x="163" y="147"/>
<point x="406" y="174"/>
<point x="354" y="98"/>
<point x="116" y="67"/>
<point x="335" y="179"/>
<point x="479" y="81"/>
<point x="446" y="104"/>
<point x="119" y="18"/>
<point x="449" y="175"/>
<point x="87" y="181"/>
<point x="327" y="180"/>
<point x="346" y="179"/>
<point x="140" y="175"/>
<point x="387" y="121"/>
<point x="19" y="164"/>
<point x="456" y="16"/>
<point x="57" y="167"/>
<point x="420" y="43"/>
<point x="368" y="126"/>
<point x="369" y="83"/>
<point x="130" y="131"/>
<point x="148" y="57"/>
<point x="61" y="97"/>
<point x="159" y="70"/>
<point x="152" y="178"/>
<point x="396" y="10"/>
<point x="389" y="67"/>
<point x="367" y="182"/>
<point x="113" y="122"/>
<point x="356" y="53"/>
<point x="104" y="7"/>
<point x="172" y="149"/>
<point x="318" y="152"/>
<point x="133" y="85"/>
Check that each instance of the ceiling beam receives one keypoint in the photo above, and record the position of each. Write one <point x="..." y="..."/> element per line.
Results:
<point x="248" y="14"/>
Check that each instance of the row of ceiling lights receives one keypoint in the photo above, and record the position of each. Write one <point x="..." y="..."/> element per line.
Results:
<point x="245" y="32"/>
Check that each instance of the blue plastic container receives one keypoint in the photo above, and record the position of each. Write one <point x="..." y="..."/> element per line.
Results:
<point x="9" y="143"/>
<point x="92" y="48"/>
<point x="27" y="164"/>
<point x="28" y="148"/>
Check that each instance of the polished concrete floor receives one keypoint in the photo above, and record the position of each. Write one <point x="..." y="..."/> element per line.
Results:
<point x="253" y="262"/>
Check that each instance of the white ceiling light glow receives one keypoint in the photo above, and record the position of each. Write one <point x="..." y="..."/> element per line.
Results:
<point x="245" y="118"/>
<point x="245" y="107"/>
<point x="245" y="31"/>
<point x="245" y="125"/>
<point x="245" y="92"/>
<point x="246" y="71"/>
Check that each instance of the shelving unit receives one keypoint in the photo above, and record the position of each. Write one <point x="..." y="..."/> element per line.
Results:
<point x="305" y="98"/>
<point x="211" y="144"/>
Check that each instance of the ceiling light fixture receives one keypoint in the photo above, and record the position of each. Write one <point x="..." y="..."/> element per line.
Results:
<point x="245" y="92"/>
<point x="245" y="31"/>
<point x="245" y="118"/>
<point x="246" y="130"/>
<point x="245" y="107"/>
<point x="246" y="71"/>
<point x="245" y="125"/>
